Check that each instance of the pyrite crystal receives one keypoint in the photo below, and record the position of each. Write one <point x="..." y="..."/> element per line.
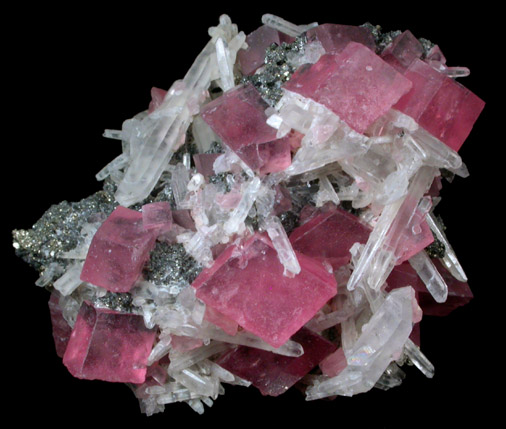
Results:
<point x="269" y="221"/>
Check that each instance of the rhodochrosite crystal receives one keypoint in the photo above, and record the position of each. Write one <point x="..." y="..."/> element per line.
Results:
<point x="269" y="223"/>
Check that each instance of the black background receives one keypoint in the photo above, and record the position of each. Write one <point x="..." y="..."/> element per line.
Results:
<point x="74" y="71"/>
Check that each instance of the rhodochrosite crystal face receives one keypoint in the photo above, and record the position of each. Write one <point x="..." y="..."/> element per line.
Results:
<point x="270" y="221"/>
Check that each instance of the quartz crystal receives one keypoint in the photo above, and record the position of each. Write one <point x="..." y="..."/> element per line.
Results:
<point x="270" y="221"/>
<point x="273" y="374"/>
<point x="335" y="37"/>
<point x="355" y="84"/>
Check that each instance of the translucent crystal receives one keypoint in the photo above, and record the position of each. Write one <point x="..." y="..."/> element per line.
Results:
<point x="375" y="263"/>
<point x="384" y="335"/>
<point x="283" y="25"/>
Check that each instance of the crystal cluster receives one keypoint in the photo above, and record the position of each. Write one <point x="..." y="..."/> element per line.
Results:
<point x="269" y="222"/>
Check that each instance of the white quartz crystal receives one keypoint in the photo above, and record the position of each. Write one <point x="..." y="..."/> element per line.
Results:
<point x="280" y="241"/>
<point x="382" y="337"/>
<point x="69" y="281"/>
<point x="284" y="26"/>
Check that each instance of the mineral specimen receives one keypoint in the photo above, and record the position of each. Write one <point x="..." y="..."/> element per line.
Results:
<point x="269" y="222"/>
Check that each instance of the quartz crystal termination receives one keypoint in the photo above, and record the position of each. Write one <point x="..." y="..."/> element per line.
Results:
<point x="269" y="222"/>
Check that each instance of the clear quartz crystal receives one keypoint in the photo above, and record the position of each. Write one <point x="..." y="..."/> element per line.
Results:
<point x="69" y="281"/>
<point x="164" y="130"/>
<point x="160" y="350"/>
<point x="179" y="182"/>
<point x="225" y="66"/>
<point x="113" y="134"/>
<point x="178" y="324"/>
<point x="53" y="270"/>
<point x="250" y="190"/>
<point x="187" y="359"/>
<point x="284" y="26"/>
<point x="378" y="257"/>
<point x="115" y="165"/>
<point x="449" y="259"/>
<point x="282" y="244"/>
<point x="196" y="383"/>
<point x="429" y="274"/>
<point x="382" y="337"/>
<point x="326" y="192"/>
<point x="414" y="354"/>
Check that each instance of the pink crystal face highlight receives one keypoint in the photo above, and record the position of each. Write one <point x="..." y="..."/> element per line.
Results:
<point x="238" y="118"/>
<point x="274" y="374"/>
<point x="357" y="85"/>
<point x="272" y="306"/>
<point x="118" y="251"/>
<point x="183" y="218"/>
<point x="440" y="105"/>
<point x="110" y="346"/>
<point x="269" y="157"/>
<point x="157" y="216"/>
<point x="204" y="163"/>
<point x="329" y="236"/>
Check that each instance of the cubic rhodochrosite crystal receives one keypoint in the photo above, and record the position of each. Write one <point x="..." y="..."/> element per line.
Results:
<point x="118" y="251"/>
<point x="355" y="84"/>
<point x="269" y="222"/>
<point x="108" y="345"/>
<point x="274" y="306"/>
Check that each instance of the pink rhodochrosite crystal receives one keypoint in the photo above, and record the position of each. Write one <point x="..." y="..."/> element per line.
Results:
<point x="439" y="104"/>
<point x="61" y="329"/>
<point x="157" y="97"/>
<point x="273" y="374"/>
<point x="329" y="236"/>
<point x="110" y="346"/>
<point x="157" y="216"/>
<point x="183" y="218"/>
<point x="404" y="49"/>
<point x="238" y="118"/>
<point x="204" y="163"/>
<point x="118" y="251"/>
<point x="258" y="41"/>
<point x="273" y="306"/>
<point x="356" y="84"/>
<point x="335" y="37"/>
